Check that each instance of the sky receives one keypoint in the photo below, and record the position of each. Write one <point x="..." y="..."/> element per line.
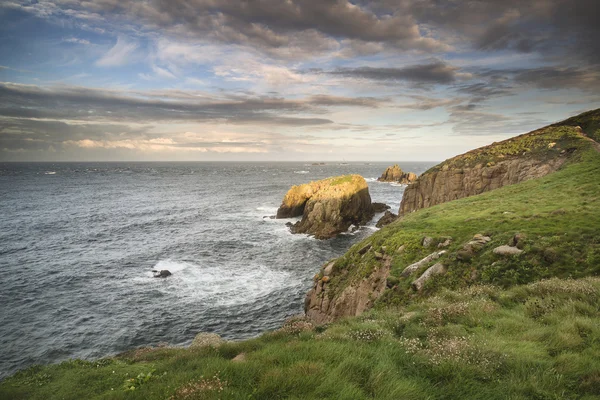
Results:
<point x="288" y="80"/>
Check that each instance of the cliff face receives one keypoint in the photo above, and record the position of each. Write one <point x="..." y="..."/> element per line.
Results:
<point x="395" y="174"/>
<point x="447" y="185"/>
<point x="329" y="206"/>
<point x="512" y="161"/>
<point x="323" y="304"/>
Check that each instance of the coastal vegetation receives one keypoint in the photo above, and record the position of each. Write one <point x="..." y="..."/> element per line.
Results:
<point x="495" y="324"/>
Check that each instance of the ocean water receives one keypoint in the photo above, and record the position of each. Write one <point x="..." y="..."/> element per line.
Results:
<point x="78" y="242"/>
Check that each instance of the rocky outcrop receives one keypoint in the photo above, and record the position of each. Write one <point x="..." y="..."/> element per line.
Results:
<point x="387" y="219"/>
<point x="163" y="273"/>
<point x="512" y="161"/>
<point x="395" y="174"/>
<point x="380" y="207"/>
<point x="323" y="304"/>
<point x="329" y="206"/>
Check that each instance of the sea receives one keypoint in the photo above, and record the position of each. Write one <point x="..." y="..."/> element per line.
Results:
<point x="79" y="241"/>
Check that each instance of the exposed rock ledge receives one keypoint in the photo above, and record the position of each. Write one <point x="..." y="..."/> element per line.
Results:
<point x="323" y="305"/>
<point x="329" y="206"/>
<point x="395" y="174"/>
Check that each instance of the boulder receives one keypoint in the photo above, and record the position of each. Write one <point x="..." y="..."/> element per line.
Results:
<point x="163" y="273"/>
<point x="395" y="174"/>
<point x="387" y="219"/>
<point x="507" y="251"/>
<point x="329" y="206"/>
<point x="436" y="269"/>
<point x="365" y="248"/>
<point x="380" y="207"/>
<point x="421" y="263"/>
<point x="518" y="241"/>
<point x="204" y="339"/>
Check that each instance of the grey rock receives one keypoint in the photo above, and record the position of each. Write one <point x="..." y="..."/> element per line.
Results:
<point x="507" y="251"/>
<point x="163" y="273"/>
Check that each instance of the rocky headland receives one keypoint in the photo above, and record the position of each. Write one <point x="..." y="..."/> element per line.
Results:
<point x="395" y="174"/>
<point x="400" y="264"/>
<point x="329" y="206"/>
<point x="512" y="161"/>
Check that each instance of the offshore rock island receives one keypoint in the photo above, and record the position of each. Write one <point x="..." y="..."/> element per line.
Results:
<point x="329" y="206"/>
<point x="395" y="174"/>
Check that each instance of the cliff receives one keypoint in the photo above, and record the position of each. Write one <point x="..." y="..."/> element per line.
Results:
<point x="329" y="206"/>
<point x="509" y="162"/>
<point x="395" y="174"/>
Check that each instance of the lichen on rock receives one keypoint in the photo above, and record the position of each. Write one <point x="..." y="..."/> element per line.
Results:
<point x="329" y="206"/>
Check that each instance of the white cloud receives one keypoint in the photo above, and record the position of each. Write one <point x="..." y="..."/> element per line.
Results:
<point x="77" y="41"/>
<point x="120" y="54"/>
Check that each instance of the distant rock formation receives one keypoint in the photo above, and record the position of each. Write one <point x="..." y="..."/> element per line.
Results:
<point x="329" y="206"/>
<point x="395" y="174"/>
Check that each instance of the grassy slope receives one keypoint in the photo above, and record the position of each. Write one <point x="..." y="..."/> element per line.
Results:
<point x="504" y="335"/>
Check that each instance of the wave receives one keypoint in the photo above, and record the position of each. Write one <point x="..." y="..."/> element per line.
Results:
<point x="221" y="285"/>
<point x="50" y="173"/>
<point x="302" y="172"/>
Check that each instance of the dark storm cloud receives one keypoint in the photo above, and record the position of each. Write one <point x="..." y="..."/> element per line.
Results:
<point x="506" y="81"/>
<point x="78" y="103"/>
<point x="551" y="27"/>
<point x="432" y="73"/>
<point x="560" y="77"/>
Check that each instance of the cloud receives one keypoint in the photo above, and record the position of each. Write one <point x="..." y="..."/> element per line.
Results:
<point x="77" y="41"/>
<point x="89" y="104"/>
<point x="432" y="73"/>
<point x="120" y="54"/>
<point x="556" y="77"/>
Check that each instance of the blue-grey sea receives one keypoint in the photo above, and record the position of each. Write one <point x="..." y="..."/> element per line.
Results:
<point x="78" y="242"/>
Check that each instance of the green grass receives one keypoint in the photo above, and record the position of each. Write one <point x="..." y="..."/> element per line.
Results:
<point x="341" y="180"/>
<point x="536" y="341"/>
<point x="521" y="327"/>
<point x="588" y="121"/>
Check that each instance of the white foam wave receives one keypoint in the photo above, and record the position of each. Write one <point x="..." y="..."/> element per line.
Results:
<point x="269" y="209"/>
<point x="371" y="179"/>
<point x="302" y="172"/>
<point x="50" y="173"/>
<point x="217" y="284"/>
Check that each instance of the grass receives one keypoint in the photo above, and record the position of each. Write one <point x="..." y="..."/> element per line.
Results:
<point x="493" y="327"/>
<point x="536" y="341"/>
